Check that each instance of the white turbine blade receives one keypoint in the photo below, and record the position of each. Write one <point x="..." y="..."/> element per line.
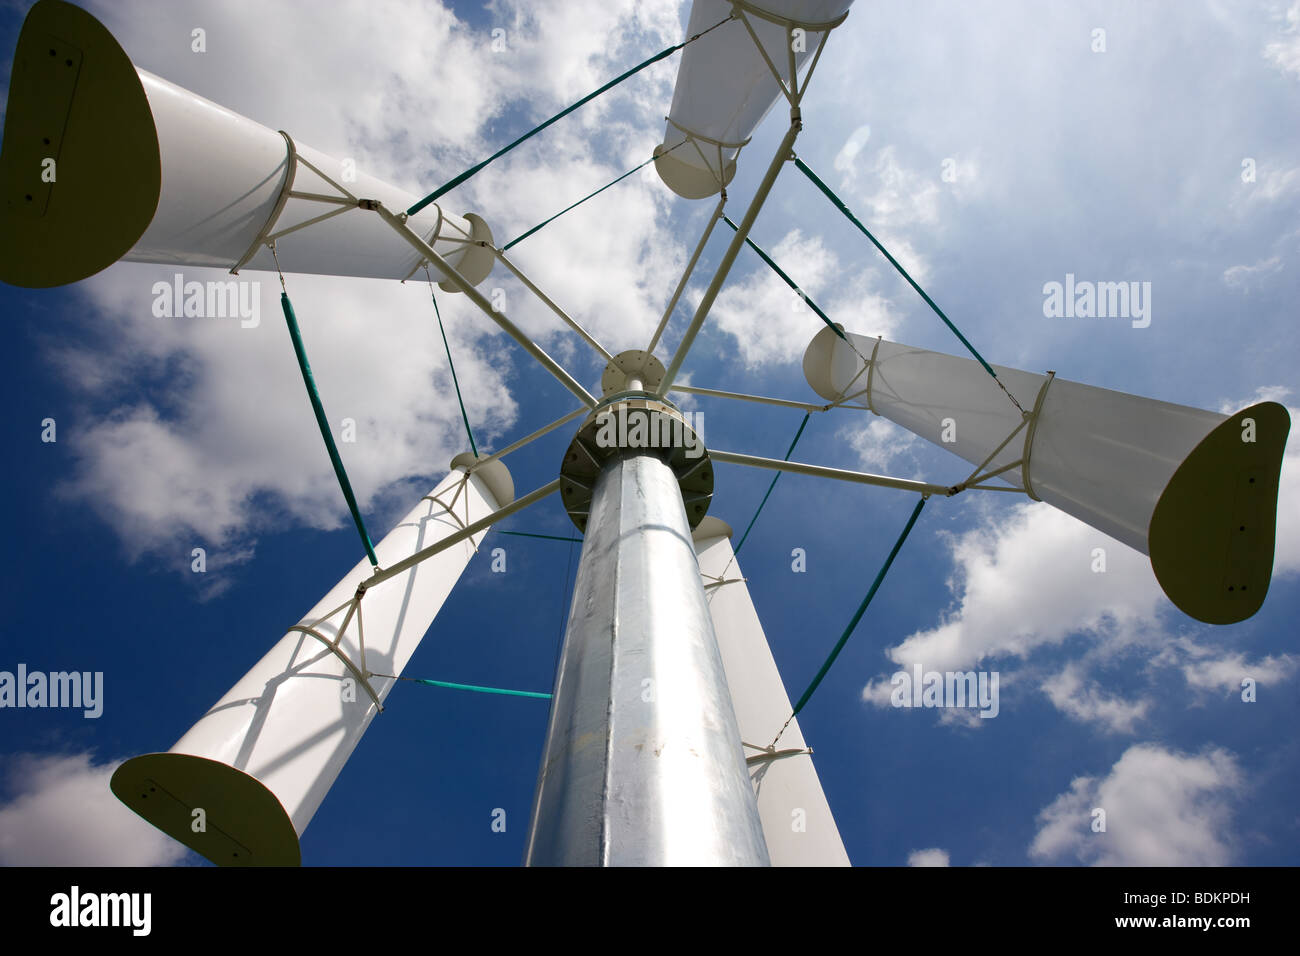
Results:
<point x="150" y="172"/>
<point x="1195" y="490"/>
<point x="797" y="821"/>
<point x="260" y="761"/>
<point x="725" y="87"/>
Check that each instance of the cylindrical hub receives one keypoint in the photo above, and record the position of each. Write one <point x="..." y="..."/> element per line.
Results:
<point x="643" y="762"/>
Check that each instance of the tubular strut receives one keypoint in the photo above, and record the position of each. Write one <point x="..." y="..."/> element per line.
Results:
<point x="398" y="222"/>
<point x="345" y="201"/>
<point x="550" y="304"/>
<point x="741" y="9"/>
<point x="1029" y="435"/>
<point x="468" y="531"/>
<point x="291" y="159"/>
<point x="690" y="268"/>
<point x="821" y="471"/>
<point x="783" y="154"/>
<point x="695" y="139"/>
<point x="516" y="445"/>
<point x="1029" y="421"/>
<point x="760" y="399"/>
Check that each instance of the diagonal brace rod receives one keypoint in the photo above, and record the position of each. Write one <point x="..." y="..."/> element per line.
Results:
<point x="515" y="446"/>
<point x="761" y="399"/>
<point x="519" y="504"/>
<point x="783" y="154"/>
<point x="398" y="222"/>
<point x="686" y="276"/>
<point x="821" y="471"/>
<point x="549" y="303"/>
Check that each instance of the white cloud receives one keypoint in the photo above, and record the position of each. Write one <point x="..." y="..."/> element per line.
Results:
<point x="770" y="322"/>
<point x="880" y="443"/>
<point x="1024" y="584"/>
<point x="846" y="160"/>
<point x="211" y="422"/>
<point x="895" y="198"/>
<point x="902" y="196"/>
<point x="205" y="436"/>
<point x="931" y="857"/>
<point x="1084" y="700"/>
<point x="895" y="195"/>
<point x="62" y="813"/>
<point x="1025" y="580"/>
<point x="1215" y="668"/>
<point x="1161" y="808"/>
<point x="1242" y="277"/>
<point x="1272" y="184"/>
<point x="419" y="103"/>
<point x="960" y="175"/>
<point x="1284" y="53"/>
<point x="607" y="263"/>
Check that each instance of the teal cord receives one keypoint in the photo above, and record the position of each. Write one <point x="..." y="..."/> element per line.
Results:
<point x="339" y="472"/>
<point x="788" y="281"/>
<point x="453" y="183"/>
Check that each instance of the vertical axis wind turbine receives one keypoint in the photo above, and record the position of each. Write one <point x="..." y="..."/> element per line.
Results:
<point x="671" y="738"/>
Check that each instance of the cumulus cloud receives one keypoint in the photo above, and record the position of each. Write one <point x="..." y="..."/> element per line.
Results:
<point x="606" y="263"/>
<point x="893" y="199"/>
<point x="197" y="432"/>
<point x="205" y="433"/>
<point x="1025" y="580"/>
<point x="880" y="443"/>
<point x="1084" y="700"/>
<point x="1273" y="183"/>
<point x="846" y="160"/>
<point x="772" y="323"/>
<point x="61" y="812"/>
<point x="931" y="857"/>
<point x="900" y="195"/>
<point x="1214" y="669"/>
<point x="1162" y="808"/>
<point x="1284" y="52"/>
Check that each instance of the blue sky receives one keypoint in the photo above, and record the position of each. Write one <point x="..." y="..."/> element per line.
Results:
<point x="1122" y="164"/>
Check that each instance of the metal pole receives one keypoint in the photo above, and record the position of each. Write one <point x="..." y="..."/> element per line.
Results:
<point x="643" y="764"/>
